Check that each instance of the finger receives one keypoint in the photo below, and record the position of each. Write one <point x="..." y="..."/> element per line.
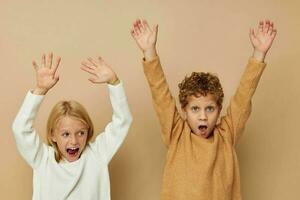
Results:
<point x="35" y="66"/>
<point x="273" y="34"/>
<point x="101" y="61"/>
<point x="133" y="34"/>
<point x="146" y="26"/>
<point x="252" y="34"/>
<point x="270" y="28"/>
<point x="49" y="60"/>
<point x="54" y="69"/>
<point x="260" y="26"/>
<point x="141" y="27"/>
<point x="266" y="26"/>
<point x="88" y="65"/>
<point x="92" y="62"/>
<point x="136" y="27"/>
<point x="93" y="79"/>
<point x="88" y="70"/>
<point x="43" y="61"/>
<point x="56" y="76"/>
<point x="155" y="28"/>
<point x="134" y="24"/>
<point x="136" y="30"/>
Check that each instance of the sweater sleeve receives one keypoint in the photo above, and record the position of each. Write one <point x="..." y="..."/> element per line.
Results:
<point x="239" y="107"/>
<point x="108" y="142"/>
<point x="164" y="103"/>
<point x="28" y="142"/>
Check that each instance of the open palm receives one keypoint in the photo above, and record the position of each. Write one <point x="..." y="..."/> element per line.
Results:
<point x="100" y="71"/>
<point x="263" y="37"/>
<point x="144" y="36"/>
<point x="46" y="73"/>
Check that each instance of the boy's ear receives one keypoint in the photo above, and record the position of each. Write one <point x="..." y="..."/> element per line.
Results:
<point x="220" y="108"/>
<point x="184" y="114"/>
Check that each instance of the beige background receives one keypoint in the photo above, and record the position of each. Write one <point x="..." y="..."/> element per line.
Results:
<point x="206" y="35"/>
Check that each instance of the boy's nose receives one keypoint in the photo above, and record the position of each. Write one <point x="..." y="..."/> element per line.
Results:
<point x="202" y="116"/>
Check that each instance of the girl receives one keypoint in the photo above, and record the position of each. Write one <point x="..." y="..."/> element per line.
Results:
<point x="70" y="166"/>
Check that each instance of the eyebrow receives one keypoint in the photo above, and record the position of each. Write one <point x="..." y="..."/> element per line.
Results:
<point x="212" y="104"/>
<point x="208" y="104"/>
<point x="81" y="129"/>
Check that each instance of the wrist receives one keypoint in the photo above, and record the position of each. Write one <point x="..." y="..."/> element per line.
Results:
<point x="39" y="91"/>
<point x="259" y="55"/>
<point x="114" y="81"/>
<point x="150" y="54"/>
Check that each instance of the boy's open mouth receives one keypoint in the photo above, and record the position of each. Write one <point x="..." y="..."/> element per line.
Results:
<point x="73" y="151"/>
<point x="202" y="128"/>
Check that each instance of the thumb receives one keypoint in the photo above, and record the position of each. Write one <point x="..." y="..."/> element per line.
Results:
<point x="155" y="28"/>
<point x="56" y="77"/>
<point x="93" y="80"/>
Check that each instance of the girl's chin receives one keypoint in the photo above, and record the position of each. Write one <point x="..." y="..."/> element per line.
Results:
<point x="72" y="157"/>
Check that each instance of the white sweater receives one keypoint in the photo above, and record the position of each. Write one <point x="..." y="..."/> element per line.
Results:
<point x="84" y="179"/>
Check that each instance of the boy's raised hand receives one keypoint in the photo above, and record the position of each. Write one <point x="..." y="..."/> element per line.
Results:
<point x="100" y="71"/>
<point x="262" y="38"/>
<point x="46" y="74"/>
<point x="145" y="37"/>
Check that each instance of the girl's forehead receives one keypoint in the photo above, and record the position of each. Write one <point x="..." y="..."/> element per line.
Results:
<point x="70" y="122"/>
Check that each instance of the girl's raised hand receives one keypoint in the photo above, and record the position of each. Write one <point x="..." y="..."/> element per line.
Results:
<point x="46" y="74"/>
<point x="100" y="71"/>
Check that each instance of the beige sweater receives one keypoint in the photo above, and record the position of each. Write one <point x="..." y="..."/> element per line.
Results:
<point x="198" y="168"/>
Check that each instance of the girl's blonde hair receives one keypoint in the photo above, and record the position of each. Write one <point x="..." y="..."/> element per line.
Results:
<point x="70" y="109"/>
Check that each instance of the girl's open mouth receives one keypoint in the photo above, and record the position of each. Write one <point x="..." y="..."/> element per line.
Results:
<point x="73" y="151"/>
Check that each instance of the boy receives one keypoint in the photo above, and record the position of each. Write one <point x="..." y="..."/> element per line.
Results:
<point x="201" y="160"/>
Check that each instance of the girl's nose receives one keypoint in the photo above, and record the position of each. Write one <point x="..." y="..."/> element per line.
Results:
<point x="74" y="139"/>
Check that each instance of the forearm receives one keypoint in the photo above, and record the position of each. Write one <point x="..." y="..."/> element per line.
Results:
<point x="108" y="142"/>
<point x="27" y="140"/>
<point x="240" y="105"/>
<point x="247" y="87"/>
<point x="157" y="81"/>
<point x="164" y="102"/>
<point x="119" y="102"/>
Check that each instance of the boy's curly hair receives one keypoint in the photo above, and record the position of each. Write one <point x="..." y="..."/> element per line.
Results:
<point x="200" y="83"/>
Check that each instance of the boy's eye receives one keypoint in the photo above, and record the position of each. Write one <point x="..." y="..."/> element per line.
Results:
<point x="195" y="108"/>
<point x="210" y="108"/>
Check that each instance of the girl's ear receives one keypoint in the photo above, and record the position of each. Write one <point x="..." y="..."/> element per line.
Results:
<point x="53" y="136"/>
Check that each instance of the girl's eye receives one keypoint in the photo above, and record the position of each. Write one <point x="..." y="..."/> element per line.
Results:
<point x="65" y="134"/>
<point x="81" y="133"/>
<point x="210" y="109"/>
